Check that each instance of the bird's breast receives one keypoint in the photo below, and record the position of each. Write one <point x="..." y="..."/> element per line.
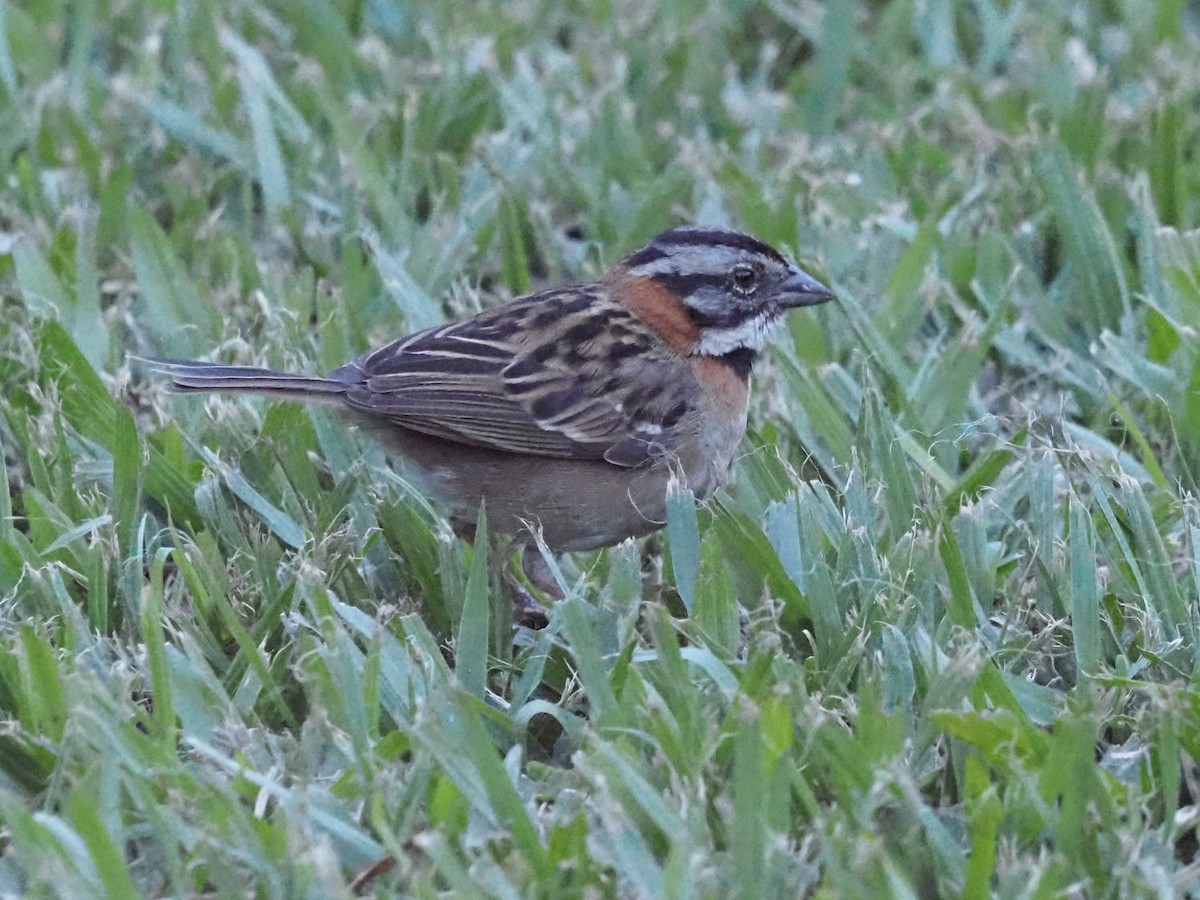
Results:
<point x="723" y="405"/>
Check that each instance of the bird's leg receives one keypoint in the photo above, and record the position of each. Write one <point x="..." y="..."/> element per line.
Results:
<point x="537" y="570"/>
<point x="526" y="610"/>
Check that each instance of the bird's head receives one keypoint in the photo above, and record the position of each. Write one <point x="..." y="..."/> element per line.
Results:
<point x="732" y="287"/>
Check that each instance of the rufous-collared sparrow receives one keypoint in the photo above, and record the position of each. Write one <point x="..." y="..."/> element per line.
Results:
<point x="571" y="409"/>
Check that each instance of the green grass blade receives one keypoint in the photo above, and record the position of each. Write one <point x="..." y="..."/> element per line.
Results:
<point x="683" y="534"/>
<point x="1085" y="594"/>
<point x="471" y="648"/>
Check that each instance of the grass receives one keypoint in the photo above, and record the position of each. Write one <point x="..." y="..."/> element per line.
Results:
<point x="938" y="637"/>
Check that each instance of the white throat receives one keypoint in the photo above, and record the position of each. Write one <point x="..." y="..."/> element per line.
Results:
<point x="750" y="335"/>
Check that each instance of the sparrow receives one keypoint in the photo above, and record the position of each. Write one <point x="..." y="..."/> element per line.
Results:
<point x="569" y="411"/>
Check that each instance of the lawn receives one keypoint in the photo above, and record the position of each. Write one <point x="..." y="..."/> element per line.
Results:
<point x="938" y="637"/>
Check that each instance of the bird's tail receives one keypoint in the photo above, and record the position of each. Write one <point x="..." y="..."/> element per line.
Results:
<point x="193" y="375"/>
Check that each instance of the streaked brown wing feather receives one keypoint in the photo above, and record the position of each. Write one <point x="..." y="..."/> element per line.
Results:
<point x="483" y="382"/>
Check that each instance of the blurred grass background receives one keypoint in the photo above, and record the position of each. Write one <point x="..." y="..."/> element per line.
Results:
<point x="939" y="637"/>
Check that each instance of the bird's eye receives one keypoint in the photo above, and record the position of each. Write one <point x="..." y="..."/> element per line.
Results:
<point x="745" y="280"/>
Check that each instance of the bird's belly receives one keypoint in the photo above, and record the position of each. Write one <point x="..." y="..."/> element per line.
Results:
<point x="577" y="504"/>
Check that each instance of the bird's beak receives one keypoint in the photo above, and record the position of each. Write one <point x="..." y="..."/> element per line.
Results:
<point x="801" y="289"/>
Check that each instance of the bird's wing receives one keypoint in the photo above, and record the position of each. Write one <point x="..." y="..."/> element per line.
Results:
<point x="545" y="376"/>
